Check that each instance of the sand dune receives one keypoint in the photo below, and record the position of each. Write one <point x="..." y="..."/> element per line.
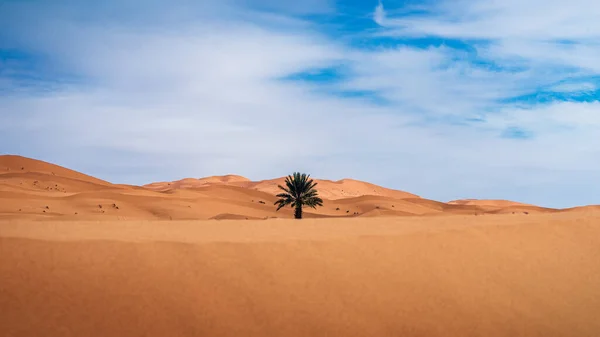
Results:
<point x="371" y="262"/>
<point x="195" y="183"/>
<point x="32" y="189"/>
<point x="491" y="276"/>
<point x="20" y="165"/>
<point x="331" y="190"/>
<point x="487" y="203"/>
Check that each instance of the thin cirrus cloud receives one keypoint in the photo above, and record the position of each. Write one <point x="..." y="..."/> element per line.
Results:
<point x="447" y="99"/>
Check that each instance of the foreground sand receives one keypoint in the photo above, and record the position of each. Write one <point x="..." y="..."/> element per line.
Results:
<point x="493" y="275"/>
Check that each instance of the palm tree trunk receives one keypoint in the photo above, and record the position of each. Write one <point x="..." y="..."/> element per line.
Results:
<point x="298" y="212"/>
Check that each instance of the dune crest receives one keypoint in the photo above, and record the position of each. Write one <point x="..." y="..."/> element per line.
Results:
<point x="487" y="202"/>
<point x="33" y="189"/>
<point x="12" y="164"/>
<point x="185" y="183"/>
<point x="328" y="189"/>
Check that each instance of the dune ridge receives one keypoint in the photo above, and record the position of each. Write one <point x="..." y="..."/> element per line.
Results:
<point x="37" y="190"/>
<point x="19" y="165"/>
<point x="328" y="189"/>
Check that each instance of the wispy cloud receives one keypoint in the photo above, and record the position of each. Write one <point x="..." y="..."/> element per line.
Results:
<point x="379" y="15"/>
<point x="537" y="32"/>
<point x="575" y="87"/>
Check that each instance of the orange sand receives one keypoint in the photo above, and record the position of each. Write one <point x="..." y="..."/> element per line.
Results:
<point x="493" y="275"/>
<point x="372" y="262"/>
<point x="35" y="190"/>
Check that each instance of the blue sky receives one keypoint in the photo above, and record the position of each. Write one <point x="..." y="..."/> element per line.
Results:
<point x="445" y="99"/>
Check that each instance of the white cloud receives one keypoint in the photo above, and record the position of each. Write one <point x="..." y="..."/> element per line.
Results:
<point x="379" y="15"/>
<point x="426" y="82"/>
<point x="574" y="87"/>
<point x="534" y="19"/>
<point x="296" y="7"/>
<point x="540" y="32"/>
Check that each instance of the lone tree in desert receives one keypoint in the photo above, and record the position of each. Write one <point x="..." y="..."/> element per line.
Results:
<point x="299" y="191"/>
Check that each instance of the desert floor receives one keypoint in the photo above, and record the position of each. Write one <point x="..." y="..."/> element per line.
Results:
<point x="450" y="275"/>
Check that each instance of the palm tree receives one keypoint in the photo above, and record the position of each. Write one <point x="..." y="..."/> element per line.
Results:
<point x="299" y="191"/>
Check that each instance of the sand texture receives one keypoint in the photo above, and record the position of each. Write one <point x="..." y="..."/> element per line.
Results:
<point x="498" y="275"/>
<point x="80" y="256"/>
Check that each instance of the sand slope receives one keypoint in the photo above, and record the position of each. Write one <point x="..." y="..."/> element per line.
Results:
<point x="333" y="190"/>
<point x="328" y="189"/>
<point x="195" y="183"/>
<point x="19" y="164"/>
<point x="487" y="203"/>
<point x="31" y="189"/>
<point x="496" y="275"/>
